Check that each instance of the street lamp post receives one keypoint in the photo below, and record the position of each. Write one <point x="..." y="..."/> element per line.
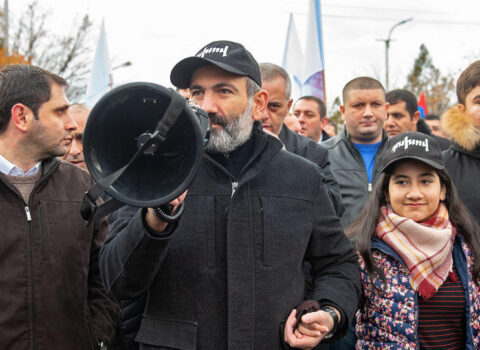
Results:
<point x="387" y="47"/>
<point x="124" y="64"/>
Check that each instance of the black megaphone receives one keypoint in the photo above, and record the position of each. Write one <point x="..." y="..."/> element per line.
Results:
<point x="143" y="145"/>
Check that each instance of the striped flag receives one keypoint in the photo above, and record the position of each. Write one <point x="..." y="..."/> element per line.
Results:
<point x="422" y="105"/>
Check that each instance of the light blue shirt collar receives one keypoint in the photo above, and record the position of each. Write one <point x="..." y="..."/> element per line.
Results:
<point x="11" y="169"/>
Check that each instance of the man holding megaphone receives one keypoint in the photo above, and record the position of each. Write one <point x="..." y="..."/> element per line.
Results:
<point x="228" y="272"/>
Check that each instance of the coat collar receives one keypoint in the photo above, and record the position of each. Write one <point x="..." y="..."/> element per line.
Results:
<point x="265" y="147"/>
<point x="462" y="129"/>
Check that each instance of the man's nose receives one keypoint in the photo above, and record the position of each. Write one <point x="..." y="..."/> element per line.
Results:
<point x="389" y="121"/>
<point x="69" y="123"/>
<point x="76" y="148"/>
<point x="208" y="103"/>
<point x="368" y="112"/>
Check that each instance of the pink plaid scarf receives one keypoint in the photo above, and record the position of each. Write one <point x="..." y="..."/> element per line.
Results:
<point x="425" y="247"/>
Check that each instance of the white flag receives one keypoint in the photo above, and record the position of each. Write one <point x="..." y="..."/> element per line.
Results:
<point x="293" y="61"/>
<point x="101" y="74"/>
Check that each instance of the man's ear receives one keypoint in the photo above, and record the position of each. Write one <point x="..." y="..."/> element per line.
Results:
<point x="461" y="107"/>
<point x="324" y="121"/>
<point x="290" y="103"/>
<point x="415" y="117"/>
<point x="20" y="115"/>
<point x="342" y="111"/>
<point x="260" y="100"/>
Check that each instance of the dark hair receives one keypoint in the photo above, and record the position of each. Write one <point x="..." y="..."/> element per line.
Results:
<point x="364" y="227"/>
<point x="322" y="110"/>
<point x="361" y="83"/>
<point x="396" y="96"/>
<point x="431" y="117"/>
<point x="467" y="81"/>
<point x="29" y="85"/>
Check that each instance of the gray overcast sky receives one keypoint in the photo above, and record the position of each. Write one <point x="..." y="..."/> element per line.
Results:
<point x="155" y="34"/>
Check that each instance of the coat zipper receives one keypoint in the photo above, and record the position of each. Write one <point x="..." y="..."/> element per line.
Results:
<point x="32" y="274"/>
<point x="375" y="165"/>
<point x="234" y="187"/>
<point x="29" y="219"/>
<point x="27" y="211"/>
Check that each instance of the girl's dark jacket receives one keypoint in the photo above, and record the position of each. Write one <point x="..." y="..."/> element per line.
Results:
<point x="232" y="270"/>
<point x="51" y="294"/>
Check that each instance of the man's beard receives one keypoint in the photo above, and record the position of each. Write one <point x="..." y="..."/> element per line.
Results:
<point x="229" y="135"/>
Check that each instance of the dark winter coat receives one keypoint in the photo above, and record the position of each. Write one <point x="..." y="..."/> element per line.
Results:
<point x="232" y="270"/>
<point x="348" y="168"/>
<point x="306" y="148"/>
<point x="462" y="159"/>
<point x="51" y="292"/>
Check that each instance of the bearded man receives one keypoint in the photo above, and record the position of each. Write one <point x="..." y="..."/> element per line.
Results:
<point x="228" y="273"/>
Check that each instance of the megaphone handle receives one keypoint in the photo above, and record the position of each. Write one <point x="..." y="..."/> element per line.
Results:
<point x="159" y="213"/>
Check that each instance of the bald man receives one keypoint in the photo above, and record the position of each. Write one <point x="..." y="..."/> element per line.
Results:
<point x="79" y="113"/>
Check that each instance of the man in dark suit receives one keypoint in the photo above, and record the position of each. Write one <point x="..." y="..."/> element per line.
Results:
<point x="279" y="87"/>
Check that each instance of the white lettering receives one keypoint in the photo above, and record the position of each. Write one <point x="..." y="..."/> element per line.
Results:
<point x="406" y="142"/>
<point x="211" y="50"/>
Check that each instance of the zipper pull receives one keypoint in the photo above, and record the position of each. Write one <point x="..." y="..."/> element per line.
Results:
<point x="369" y="187"/>
<point x="234" y="187"/>
<point x="27" y="211"/>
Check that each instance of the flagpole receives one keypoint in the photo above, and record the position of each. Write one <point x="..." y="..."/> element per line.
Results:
<point x="314" y="71"/>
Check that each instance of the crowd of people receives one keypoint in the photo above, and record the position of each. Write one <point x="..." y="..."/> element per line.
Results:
<point x="293" y="235"/>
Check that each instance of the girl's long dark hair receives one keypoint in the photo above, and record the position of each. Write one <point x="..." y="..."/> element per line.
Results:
<point x="363" y="228"/>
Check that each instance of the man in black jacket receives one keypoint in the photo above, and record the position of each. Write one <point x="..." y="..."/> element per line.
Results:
<point x="229" y="272"/>
<point x="403" y="116"/>
<point x="277" y="83"/>
<point x="462" y="122"/>
<point x="311" y="113"/>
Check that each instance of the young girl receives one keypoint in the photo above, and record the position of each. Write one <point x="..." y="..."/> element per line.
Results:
<point x="419" y="252"/>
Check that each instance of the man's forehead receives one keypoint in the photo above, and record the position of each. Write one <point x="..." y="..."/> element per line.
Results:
<point x="398" y="105"/>
<point x="276" y="89"/>
<point x="303" y="104"/>
<point x="213" y="73"/>
<point x="58" y="97"/>
<point x="366" y="94"/>
<point x="276" y="83"/>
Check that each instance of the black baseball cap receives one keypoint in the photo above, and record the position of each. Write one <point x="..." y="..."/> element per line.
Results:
<point x="227" y="55"/>
<point x="412" y="145"/>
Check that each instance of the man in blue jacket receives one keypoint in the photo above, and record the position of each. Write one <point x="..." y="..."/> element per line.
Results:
<point x="229" y="272"/>
<point x="354" y="152"/>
